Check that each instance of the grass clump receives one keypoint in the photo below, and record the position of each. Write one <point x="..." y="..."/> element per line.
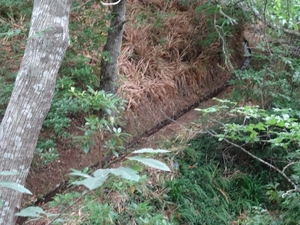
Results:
<point x="205" y="192"/>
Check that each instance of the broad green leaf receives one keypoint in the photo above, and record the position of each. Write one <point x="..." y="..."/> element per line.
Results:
<point x="126" y="173"/>
<point x="150" y="150"/>
<point x="15" y="186"/>
<point x="137" y="167"/>
<point x="91" y="182"/>
<point x="151" y="162"/>
<point x="9" y="173"/>
<point x="101" y="173"/>
<point x="35" y="212"/>
<point x="78" y="173"/>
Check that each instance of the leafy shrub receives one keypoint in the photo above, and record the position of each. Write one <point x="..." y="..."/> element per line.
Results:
<point x="272" y="139"/>
<point x="97" y="213"/>
<point x="46" y="150"/>
<point x="102" y="182"/>
<point x="105" y="106"/>
<point x="57" y="118"/>
<point x="77" y="70"/>
<point x="275" y="83"/>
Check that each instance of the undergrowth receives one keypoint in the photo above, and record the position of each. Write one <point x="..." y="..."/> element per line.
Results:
<point x="211" y="182"/>
<point x="79" y="69"/>
<point x="205" y="192"/>
<point x="270" y="85"/>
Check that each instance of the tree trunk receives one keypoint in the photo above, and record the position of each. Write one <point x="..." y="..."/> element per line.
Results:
<point x="111" y="50"/>
<point x="32" y="95"/>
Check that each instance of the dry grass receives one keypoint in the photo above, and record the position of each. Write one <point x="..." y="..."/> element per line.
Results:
<point x="163" y="67"/>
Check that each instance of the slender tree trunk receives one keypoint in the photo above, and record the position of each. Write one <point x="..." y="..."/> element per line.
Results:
<point x="111" y="50"/>
<point x="32" y="95"/>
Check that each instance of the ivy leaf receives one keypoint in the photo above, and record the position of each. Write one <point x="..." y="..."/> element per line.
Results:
<point x="15" y="186"/>
<point x="151" y="162"/>
<point x="126" y="173"/>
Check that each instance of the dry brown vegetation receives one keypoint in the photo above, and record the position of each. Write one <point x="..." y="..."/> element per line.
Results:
<point x="163" y="66"/>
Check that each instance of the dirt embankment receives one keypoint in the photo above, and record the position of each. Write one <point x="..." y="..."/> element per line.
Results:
<point x="171" y="57"/>
<point x="168" y="62"/>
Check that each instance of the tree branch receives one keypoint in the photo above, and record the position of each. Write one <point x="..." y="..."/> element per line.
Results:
<point x="214" y="134"/>
<point x="290" y="164"/>
<point x="232" y="21"/>
<point x="259" y="17"/>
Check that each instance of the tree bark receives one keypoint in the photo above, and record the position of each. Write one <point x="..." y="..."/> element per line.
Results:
<point x="32" y="96"/>
<point x="111" y="50"/>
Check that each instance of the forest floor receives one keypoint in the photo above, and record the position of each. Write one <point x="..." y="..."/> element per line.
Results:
<point x="173" y="57"/>
<point x="44" y="180"/>
<point x="168" y="62"/>
<point x="172" y="73"/>
<point x="49" y="178"/>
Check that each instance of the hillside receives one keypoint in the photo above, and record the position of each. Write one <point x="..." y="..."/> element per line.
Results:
<point x="171" y="58"/>
<point x="231" y="167"/>
<point x="168" y="64"/>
